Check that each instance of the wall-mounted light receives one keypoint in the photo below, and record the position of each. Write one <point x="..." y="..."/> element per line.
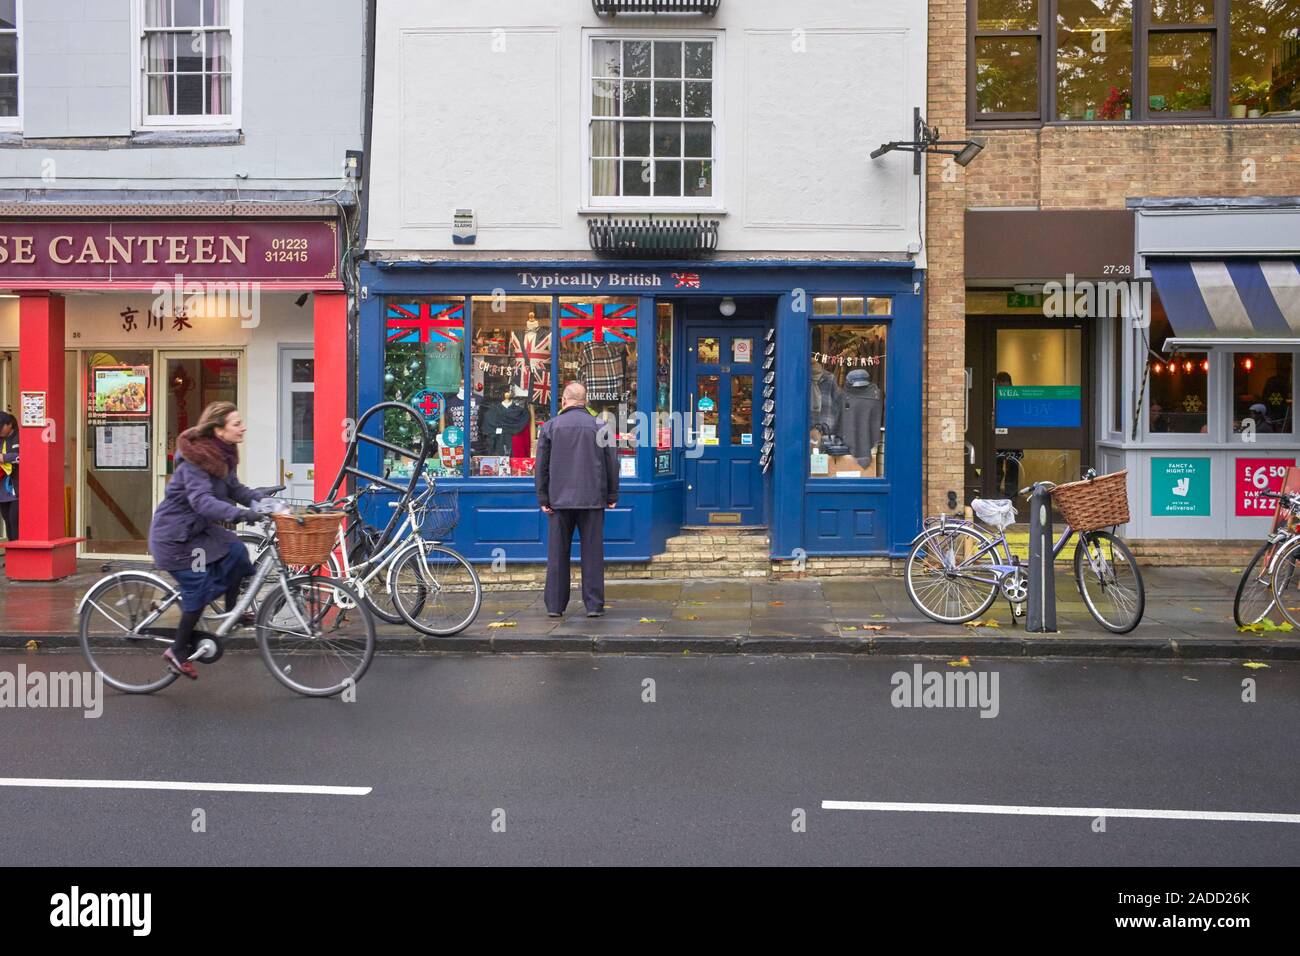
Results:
<point x="926" y="140"/>
<point x="727" y="307"/>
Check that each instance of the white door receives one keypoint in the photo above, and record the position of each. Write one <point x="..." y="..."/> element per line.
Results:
<point x="297" y="423"/>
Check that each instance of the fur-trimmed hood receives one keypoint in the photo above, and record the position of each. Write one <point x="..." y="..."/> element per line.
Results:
<point x="213" y="455"/>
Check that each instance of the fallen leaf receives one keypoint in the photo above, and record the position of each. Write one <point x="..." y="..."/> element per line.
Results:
<point x="776" y="604"/>
<point x="1266" y="625"/>
<point x="1254" y="665"/>
<point x="503" y="624"/>
<point x="989" y="623"/>
<point x="690" y="617"/>
<point x="1191" y="678"/>
<point x="648" y="620"/>
<point x="32" y="645"/>
<point x="874" y="627"/>
<point x="964" y="662"/>
<point x="848" y="627"/>
<point x="877" y="615"/>
<point x="1201" y="609"/>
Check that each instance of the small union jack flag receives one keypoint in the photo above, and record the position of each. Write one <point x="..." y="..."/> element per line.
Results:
<point x="420" y="323"/>
<point x="531" y="354"/>
<point x="687" y="280"/>
<point x="591" y="322"/>
<point x="542" y="387"/>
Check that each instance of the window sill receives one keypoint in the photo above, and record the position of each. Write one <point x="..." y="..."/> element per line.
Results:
<point x="652" y="211"/>
<point x="149" y="139"/>
<point x="976" y="125"/>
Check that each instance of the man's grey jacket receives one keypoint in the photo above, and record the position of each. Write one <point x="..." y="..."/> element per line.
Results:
<point x="577" y="467"/>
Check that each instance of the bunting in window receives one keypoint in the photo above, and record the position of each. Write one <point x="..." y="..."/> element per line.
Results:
<point x="420" y="323"/>
<point x="594" y="321"/>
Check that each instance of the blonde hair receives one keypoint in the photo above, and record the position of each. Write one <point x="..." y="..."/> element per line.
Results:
<point x="214" y="417"/>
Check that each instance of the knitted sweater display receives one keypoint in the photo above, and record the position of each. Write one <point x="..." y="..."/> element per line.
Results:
<point x="501" y="423"/>
<point x="862" y="412"/>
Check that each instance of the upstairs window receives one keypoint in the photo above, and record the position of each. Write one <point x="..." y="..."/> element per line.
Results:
<point x="9" y="63"/>
<point x="652" y="122"/>
<point x="189" y="50"/>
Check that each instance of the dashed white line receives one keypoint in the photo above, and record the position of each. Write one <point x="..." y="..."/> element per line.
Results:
<point x="70" y="784"/>
<point x="1228" y="816"/>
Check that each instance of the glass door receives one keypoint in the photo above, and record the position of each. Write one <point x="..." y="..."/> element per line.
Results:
<point x="116" y="399"/>
<point x="297" y="423"/>
<point x="189" y="382"/>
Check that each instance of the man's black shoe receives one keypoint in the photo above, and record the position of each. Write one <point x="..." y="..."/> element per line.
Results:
<point x="595" y="614"/>
<point x="554" y="614"/>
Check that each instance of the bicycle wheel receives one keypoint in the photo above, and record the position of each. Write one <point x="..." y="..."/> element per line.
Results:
<point x="375" y="593"/>
<point x="1109" y="581"/>
<point x="318" y="639"/>
<point x="1254" y="601"/>
<point x="1286" y="582"/>
<point x="127" y="620"/>
<point x="436" y="590"/>
<point x="949" y="578"/>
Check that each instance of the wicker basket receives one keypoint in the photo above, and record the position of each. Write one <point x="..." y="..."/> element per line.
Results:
<point x="1097" y="503"/>
<point x="307" y="539"/>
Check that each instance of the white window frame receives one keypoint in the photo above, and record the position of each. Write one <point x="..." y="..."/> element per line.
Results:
<point x="14" y="124"/>
<point x="142" y="121"/>
<point x="655" y="204"/>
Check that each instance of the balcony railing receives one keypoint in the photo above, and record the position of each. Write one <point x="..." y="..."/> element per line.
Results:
<point x="653" y="239"/>
<point x="612" y="8"/>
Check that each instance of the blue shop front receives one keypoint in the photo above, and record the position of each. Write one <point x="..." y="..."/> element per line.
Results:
<point x="783" y="395"/>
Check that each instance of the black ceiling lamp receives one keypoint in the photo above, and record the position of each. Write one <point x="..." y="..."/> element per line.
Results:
<point x="926" y="140"/>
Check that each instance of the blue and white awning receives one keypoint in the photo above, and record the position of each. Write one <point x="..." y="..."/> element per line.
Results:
<point x="1250" y="302"/>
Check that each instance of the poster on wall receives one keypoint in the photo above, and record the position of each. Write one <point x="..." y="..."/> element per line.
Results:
<point x="1180" y="487"/>
<point x="33" y="409"/>
<point x="1255" y="475"/>
<point x="122" y="447"/>
<point x="121" y="390"/>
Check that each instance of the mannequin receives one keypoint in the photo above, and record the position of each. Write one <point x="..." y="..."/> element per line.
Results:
<point x="502" y="420"/>
<point x="824" y="400"/>
<point x="862" y="412"/>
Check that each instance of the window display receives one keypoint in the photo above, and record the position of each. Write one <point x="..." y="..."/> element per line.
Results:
<point x="1179" y="394"/>
<point x="1261" y="392"/>
<point x="598" y="348"/>
<point x="424" y="363"/>
<point x="511" y="375"/>
<point x="663" y="388"/>
<point x="847" y="400"/>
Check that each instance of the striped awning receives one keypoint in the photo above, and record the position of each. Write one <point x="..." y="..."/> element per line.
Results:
<point x="1229" y="301"/>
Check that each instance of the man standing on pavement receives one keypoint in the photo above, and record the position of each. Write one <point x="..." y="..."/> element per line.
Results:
<point x="577" y="480"/>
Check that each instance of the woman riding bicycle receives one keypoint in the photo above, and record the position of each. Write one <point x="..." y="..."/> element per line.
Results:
<point x="187" y="539"/>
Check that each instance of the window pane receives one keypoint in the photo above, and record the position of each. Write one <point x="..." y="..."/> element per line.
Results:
<point x="668" y="139"/>
<point x="604" y="98"/>
<point x="1007" y="15"/>
<point x="1261" y="392"/>
<point x="1119" y="326"/>
<point x="742" y="410"/>
<point x="189" y="13"/>
<point x="606" y="58"/>
<point x="303" y="424"/>
<point x="158" y="51"/>
<point x="218" y="90"/>
<point x="668" y="98"/>
<point x="303" y="370"/>
<point x="636" y="58"/>
<point x="824" y="305"/>
<point x="636" y="139"/>
<point x="1265" y="55"/>
<point x="423" y="364"/>
<point x="663" y="385"/>
<point x="699" y="139"/>
<point x="1183" y="11"/>
<point x="216" y="12"/>
<point x="9" y="53"/>
<point x="668" y="178"/>
<point x="708" y="350"/>
<point x="189" y="53"/>
<point x="8" y="15"/>
<point x="1006" y="75"/>
<point x="189" y="95"/>
<point x="9" y="96"/>
<point x="157" y="13"/>
<point x="847" y="401"/>
<point x="1179" y="74"/>
<point x="668" y="59"/>
<point x="1177" y="394"/>
<point x="160" y="96"/>
<point x="636" y="177"/>
<point x="707" y="408"/>
<point x="604" y="138"/>
<point x="699" y="100"/>
<point x="1094" y="60"/>
<point x="880" y="305"/>
<point x="598" y="348"/>
<point x="699" y="60"/>
<point x="699" y="177"/>
<point x="604" y="177"/>
<point x="636" y="98"/>
<point x="218" y="52"/>
<point x="510" y="364"/>
<point x="853" y="306"/>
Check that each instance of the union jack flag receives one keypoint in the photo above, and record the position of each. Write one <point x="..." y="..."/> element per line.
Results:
<point x="687" y="280"/>
<point x="531" y="354"/>
<point x="591" y="322"/>
<point x="420" y="323"/>
<point x="542" y="387"/>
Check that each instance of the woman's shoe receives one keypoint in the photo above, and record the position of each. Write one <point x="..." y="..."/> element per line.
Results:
<point x="185" y="668"/>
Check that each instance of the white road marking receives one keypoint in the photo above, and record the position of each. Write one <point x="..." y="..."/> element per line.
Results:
<point x="1230" y="816"/>
<point x="183" y="785"/>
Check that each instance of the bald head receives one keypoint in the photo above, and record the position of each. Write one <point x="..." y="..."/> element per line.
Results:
<point x="575" y="395"/>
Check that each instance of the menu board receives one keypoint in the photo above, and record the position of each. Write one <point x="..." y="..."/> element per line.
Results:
<point x="121" y="390"/>
<point x="122" y="447"/>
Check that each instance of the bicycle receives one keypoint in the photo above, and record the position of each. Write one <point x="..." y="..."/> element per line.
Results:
<point x="1263" y="585"/>
<point x="313" y="635"/>
<point x="955" y="570"/>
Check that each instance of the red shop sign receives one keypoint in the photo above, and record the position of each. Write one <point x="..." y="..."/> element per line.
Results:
<point x="1255" y="475"/>
<point x="130" y="253"/>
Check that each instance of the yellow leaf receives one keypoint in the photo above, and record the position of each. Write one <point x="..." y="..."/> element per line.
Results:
<point x="877" y="615"/>
<point x="1201" y="609"/>
<point x="503" y="624"/>
<point x="848" y="627"/>
<point x="989" y="623"/>
<point x="649" y="620"/>
<point x="1254" y="665"/>
<point x="1266" y="625"/>
<point x="690" y="617"/>
<point x="964" y="662"/>
<point x="874" y="627"/>
<point x="32" y="645"/>
<point x="1191" y="678"/>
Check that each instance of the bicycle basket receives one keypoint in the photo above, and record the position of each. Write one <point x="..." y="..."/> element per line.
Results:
<point x="307" y="539"/>
<point x="439" y="516"/>
<point x="1091" y="504"/>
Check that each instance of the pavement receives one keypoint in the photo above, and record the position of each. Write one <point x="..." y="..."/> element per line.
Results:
<point x="577" y="759"/>
<point x="1188" y="615"/>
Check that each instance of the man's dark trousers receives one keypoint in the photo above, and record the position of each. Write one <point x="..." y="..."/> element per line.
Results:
<point x="590" y="523"/>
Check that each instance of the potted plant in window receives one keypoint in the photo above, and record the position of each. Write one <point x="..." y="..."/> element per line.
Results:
<point x="1248" y="96"/>
<point x="1115" y="106"/>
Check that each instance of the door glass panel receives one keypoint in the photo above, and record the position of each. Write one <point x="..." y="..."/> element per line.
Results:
<point x="303" y="370"/>
<point x="1038" y="381"/>
<point x="742" y="351"/>
<point x="742" y="410"/>
<point x="706" y="408"/>
<point x="192" y="385"/>
<point x="303" y="424"/>
<point x="707" y="351"/>
<point x="117" y="488"/>
<point x="1018" y="469"/>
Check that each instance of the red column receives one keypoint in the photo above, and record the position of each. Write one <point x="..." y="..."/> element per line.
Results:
<point x="43" y="551"/>
<point x="331" y="412"/>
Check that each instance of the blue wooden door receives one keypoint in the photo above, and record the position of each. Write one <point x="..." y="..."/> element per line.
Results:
<point x="724" y="387"/>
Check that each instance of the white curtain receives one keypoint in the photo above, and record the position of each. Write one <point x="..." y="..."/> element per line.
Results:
<point x="159" y="58"/>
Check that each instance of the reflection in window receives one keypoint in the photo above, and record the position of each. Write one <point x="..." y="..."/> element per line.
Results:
<point x="1094" y="60"/>
<point x="742" y="410"/>
<point x="1265" y="60"/>
<point x="1178" y="394"/>
<point x="1261" y="393"/>
<point x="994" y="15"/>
<point x="847" y="400"/>
<point x="1179" y="72"/>
<point x="1006" y="74"/>
<point x="510" y="396"/>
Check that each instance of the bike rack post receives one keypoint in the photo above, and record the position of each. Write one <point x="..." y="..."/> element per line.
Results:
<point x="1042" y="565"/>
<point x="351" y="460"/>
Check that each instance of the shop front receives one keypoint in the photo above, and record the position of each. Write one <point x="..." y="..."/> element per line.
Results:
<point x="777" y="395"/>
<point x="117" y="333"/>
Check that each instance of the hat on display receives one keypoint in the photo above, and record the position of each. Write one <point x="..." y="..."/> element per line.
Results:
<point x="857" y="378"/>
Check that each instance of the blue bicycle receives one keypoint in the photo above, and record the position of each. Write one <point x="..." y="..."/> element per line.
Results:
<point x="956" y="568"/>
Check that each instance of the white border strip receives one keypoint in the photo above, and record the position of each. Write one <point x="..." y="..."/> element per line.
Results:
<point x="183" y="785"/>
<point x="1230" y="816"/>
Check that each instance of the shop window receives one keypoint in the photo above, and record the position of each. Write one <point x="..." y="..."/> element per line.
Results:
<point x="1177" y="383"/>
<point x="1262" y="393"/>
<point x="511" y="391"/>
<point x="1265" y="57"/>
<point x="1007" y="52"/>
<point x="598" y="349"/>
<point x="424" y="363"/>
<point x="663" y="388"/>
<point x="847" y="400"/>
<point x="9" y="17"/>
<point x="1180" y="73"/>
<point x="188" y="56"/>
<point x="652" y="122"/>
<point x="1094" y="60"/>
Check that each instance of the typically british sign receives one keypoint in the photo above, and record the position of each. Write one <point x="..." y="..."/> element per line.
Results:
<point x="137" y="252"/>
